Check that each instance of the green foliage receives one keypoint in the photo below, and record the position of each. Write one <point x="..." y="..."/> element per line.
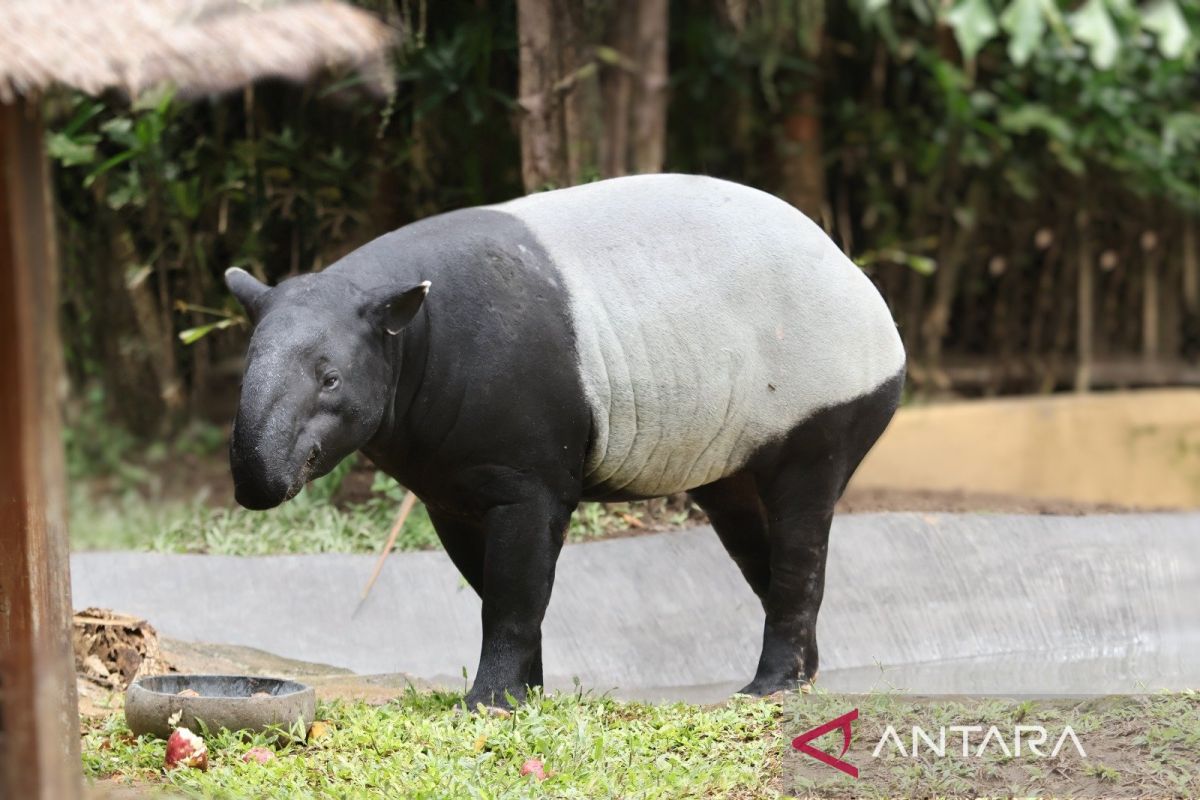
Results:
<point x="934" y="116"/>
<point x="94" y="447"/>
<point x="165" y="194"/>
<point x="1104" y="87"/>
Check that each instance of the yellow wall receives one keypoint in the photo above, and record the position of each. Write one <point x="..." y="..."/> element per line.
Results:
<point x="1138" y="448"/>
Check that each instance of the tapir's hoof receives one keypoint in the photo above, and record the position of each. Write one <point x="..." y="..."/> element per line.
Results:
<point x="483" y="710"/>
<point x="494" y="711"/>
<point x="496" y="704"/>
<point x="766" y="687"/>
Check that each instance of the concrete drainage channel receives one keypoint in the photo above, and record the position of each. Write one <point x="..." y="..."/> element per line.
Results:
<point x="927" y="604"/>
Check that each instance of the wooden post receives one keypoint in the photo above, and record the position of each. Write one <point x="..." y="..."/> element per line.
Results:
<point x="39" y="723"/>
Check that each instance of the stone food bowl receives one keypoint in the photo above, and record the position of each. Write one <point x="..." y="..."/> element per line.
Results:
<point x="233" y="702"/>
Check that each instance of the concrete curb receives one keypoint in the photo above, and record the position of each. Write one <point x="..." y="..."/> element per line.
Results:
<point x="969" y="603"/>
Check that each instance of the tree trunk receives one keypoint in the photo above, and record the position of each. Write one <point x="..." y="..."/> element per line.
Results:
<point x="800" y="152"/>
<point x="649" y="112"/>
<point x="798" y="141"/>
<point x="592" y="89"/>
<point x="1151" y="326"/>
<point x="1190" y="268"/>
<point x="543" y="146"/>
<point x="1085" y="302"/>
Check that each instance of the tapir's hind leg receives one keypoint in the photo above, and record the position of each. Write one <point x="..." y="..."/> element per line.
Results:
<point x="799" y="502"/>
<point x="738" y="517"/>
<point x="800" y="482"/>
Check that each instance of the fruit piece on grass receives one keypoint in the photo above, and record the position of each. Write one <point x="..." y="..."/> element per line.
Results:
<point x="533" y="766"/>
<point x="186" y="749"/>
<point x="319" y="730"/>
<point x="260" y="755"/>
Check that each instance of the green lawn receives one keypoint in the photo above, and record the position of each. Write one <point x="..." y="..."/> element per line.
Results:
<point x="307" y="524"/>
<point x="423" y="746"/>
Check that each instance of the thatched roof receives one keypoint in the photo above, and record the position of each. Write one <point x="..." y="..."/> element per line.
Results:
<point x="199" y="46"/>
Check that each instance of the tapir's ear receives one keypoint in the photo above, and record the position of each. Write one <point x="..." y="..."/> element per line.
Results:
<point x="247" y="289"/>
<point x="398" y="309"/>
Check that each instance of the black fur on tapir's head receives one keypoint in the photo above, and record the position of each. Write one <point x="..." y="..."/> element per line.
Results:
<point x="318" y="378"/>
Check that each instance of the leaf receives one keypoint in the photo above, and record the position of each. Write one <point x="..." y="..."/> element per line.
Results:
<point x="1035" y="116"/>
<point x="922" y="265"/>
<point x="1057" y="24"/>
<point x="1121" y="9"/>
<point x="1092" y="26"/>
<point x="1170" y="29"/>
<point x="974" y="24"/>
<point x="1025" y="23"/>
<point x="1067" y="157"/>
<point x="193" y="335"/>
<point x="1181" y="129"/>
<point x="920" y="10"/>
<point x="72" y="151"/>
<point x="186" y="195"/>
<point x="87" y="110"/>
<point x="107" y="165"/>
<point x="127" y="192"/>
<point x="1021" y="182"/>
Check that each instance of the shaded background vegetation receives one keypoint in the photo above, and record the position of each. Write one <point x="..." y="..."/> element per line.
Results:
<point x="1020" y="177"/>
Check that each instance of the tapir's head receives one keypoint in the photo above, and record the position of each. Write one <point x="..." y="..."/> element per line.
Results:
<point x="318" y="378"/>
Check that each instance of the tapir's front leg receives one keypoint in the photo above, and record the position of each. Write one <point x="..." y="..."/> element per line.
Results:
<point x="523" y="540"/>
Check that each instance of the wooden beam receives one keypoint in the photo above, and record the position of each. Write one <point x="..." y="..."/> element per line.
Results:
<point x="39" y="723"/>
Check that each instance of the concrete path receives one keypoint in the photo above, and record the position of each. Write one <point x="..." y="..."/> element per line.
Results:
<point x="970" y="603"/>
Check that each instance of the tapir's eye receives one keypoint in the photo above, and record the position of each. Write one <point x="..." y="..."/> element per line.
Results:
<point x="330" y="381"/>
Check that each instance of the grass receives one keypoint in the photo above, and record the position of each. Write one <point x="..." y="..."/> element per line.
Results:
<point x="129" y="517"/>
<point x="127" y="495"/>
<point x="422" y="746"/>
<point x="309" y="523"/>
<point x="1136" y="746"/>
<point x="304" y="525"/>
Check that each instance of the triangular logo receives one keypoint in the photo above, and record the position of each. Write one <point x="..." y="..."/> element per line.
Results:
<point x="801" y="743"/>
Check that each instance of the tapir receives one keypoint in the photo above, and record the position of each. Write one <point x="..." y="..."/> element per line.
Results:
<point x="625" y="339"/>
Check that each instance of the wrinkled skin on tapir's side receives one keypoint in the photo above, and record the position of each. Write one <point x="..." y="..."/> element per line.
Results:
<point x="625" y="339"/>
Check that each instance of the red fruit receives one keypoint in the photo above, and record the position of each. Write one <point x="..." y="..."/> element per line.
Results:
<point x="186" y="749"/>
<point x="260" y="755"/>
<point x="533" y="766"/>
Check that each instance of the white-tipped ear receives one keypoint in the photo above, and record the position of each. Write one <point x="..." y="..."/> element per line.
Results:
<point x="399" y="309"/>
<point x="246" y="288"/>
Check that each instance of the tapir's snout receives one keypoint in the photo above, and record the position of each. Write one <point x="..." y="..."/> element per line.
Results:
<point x="271" y="453"/>
<point x="257" y="496"/>
<point x="258" y="483"/>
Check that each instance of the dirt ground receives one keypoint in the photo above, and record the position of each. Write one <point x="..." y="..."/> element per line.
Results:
<point x="1135" y="746"/>
<point x="862" y="501"/>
